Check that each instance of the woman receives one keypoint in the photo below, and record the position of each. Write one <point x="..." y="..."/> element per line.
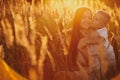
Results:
<point x="83" y="53"/>
<point x="81" y="25"/>
<point x="82" y="16"/>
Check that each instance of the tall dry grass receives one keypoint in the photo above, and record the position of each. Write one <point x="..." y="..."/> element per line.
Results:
<point x="35" y="34"/>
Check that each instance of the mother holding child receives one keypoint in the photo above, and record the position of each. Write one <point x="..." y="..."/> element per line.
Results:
<point x="90" y="55"/>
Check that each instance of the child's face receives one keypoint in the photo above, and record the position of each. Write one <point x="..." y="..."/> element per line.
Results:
<point x="98" y="21"/>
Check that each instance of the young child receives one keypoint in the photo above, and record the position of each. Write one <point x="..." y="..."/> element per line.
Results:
<point x="100" y="20"/>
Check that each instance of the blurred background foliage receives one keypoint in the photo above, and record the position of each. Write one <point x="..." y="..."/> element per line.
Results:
<point x="35" y="34"/>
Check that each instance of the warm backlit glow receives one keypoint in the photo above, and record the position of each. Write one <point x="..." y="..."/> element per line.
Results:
<point x="35" y="35"/>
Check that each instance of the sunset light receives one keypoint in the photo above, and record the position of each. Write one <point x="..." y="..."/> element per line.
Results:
<point x="59" y="40"/>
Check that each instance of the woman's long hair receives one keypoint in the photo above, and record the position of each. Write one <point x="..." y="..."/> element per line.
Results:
<point x="75" y="37"/>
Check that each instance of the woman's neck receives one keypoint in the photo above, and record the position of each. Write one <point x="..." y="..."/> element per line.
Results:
<point x="84" y="31"/>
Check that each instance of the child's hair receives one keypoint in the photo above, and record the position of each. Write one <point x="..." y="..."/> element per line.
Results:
<point x="106" y="15"/>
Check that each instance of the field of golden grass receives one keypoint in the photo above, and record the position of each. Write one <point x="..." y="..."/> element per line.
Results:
<point x="35" y="35"/>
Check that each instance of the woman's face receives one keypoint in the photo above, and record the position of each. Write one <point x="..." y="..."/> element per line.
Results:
<point x="86" y="20"/>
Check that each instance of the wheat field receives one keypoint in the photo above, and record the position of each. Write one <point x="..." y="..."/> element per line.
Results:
<point x="35" y="36"/>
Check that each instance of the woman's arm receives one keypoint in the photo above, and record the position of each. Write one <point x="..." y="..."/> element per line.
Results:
<point x="82" y="49"/>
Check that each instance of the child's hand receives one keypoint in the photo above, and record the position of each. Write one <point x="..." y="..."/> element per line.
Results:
<point x="93" y="37"/>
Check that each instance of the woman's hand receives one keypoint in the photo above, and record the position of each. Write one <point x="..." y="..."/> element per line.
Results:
<point x="82" y="43"/>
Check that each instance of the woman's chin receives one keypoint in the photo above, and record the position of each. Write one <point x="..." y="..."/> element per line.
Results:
<point x="86" y="28"/>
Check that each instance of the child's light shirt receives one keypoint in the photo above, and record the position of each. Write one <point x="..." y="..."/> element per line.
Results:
<point x="110" y="52"/>
<point x="103" y="33"/>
